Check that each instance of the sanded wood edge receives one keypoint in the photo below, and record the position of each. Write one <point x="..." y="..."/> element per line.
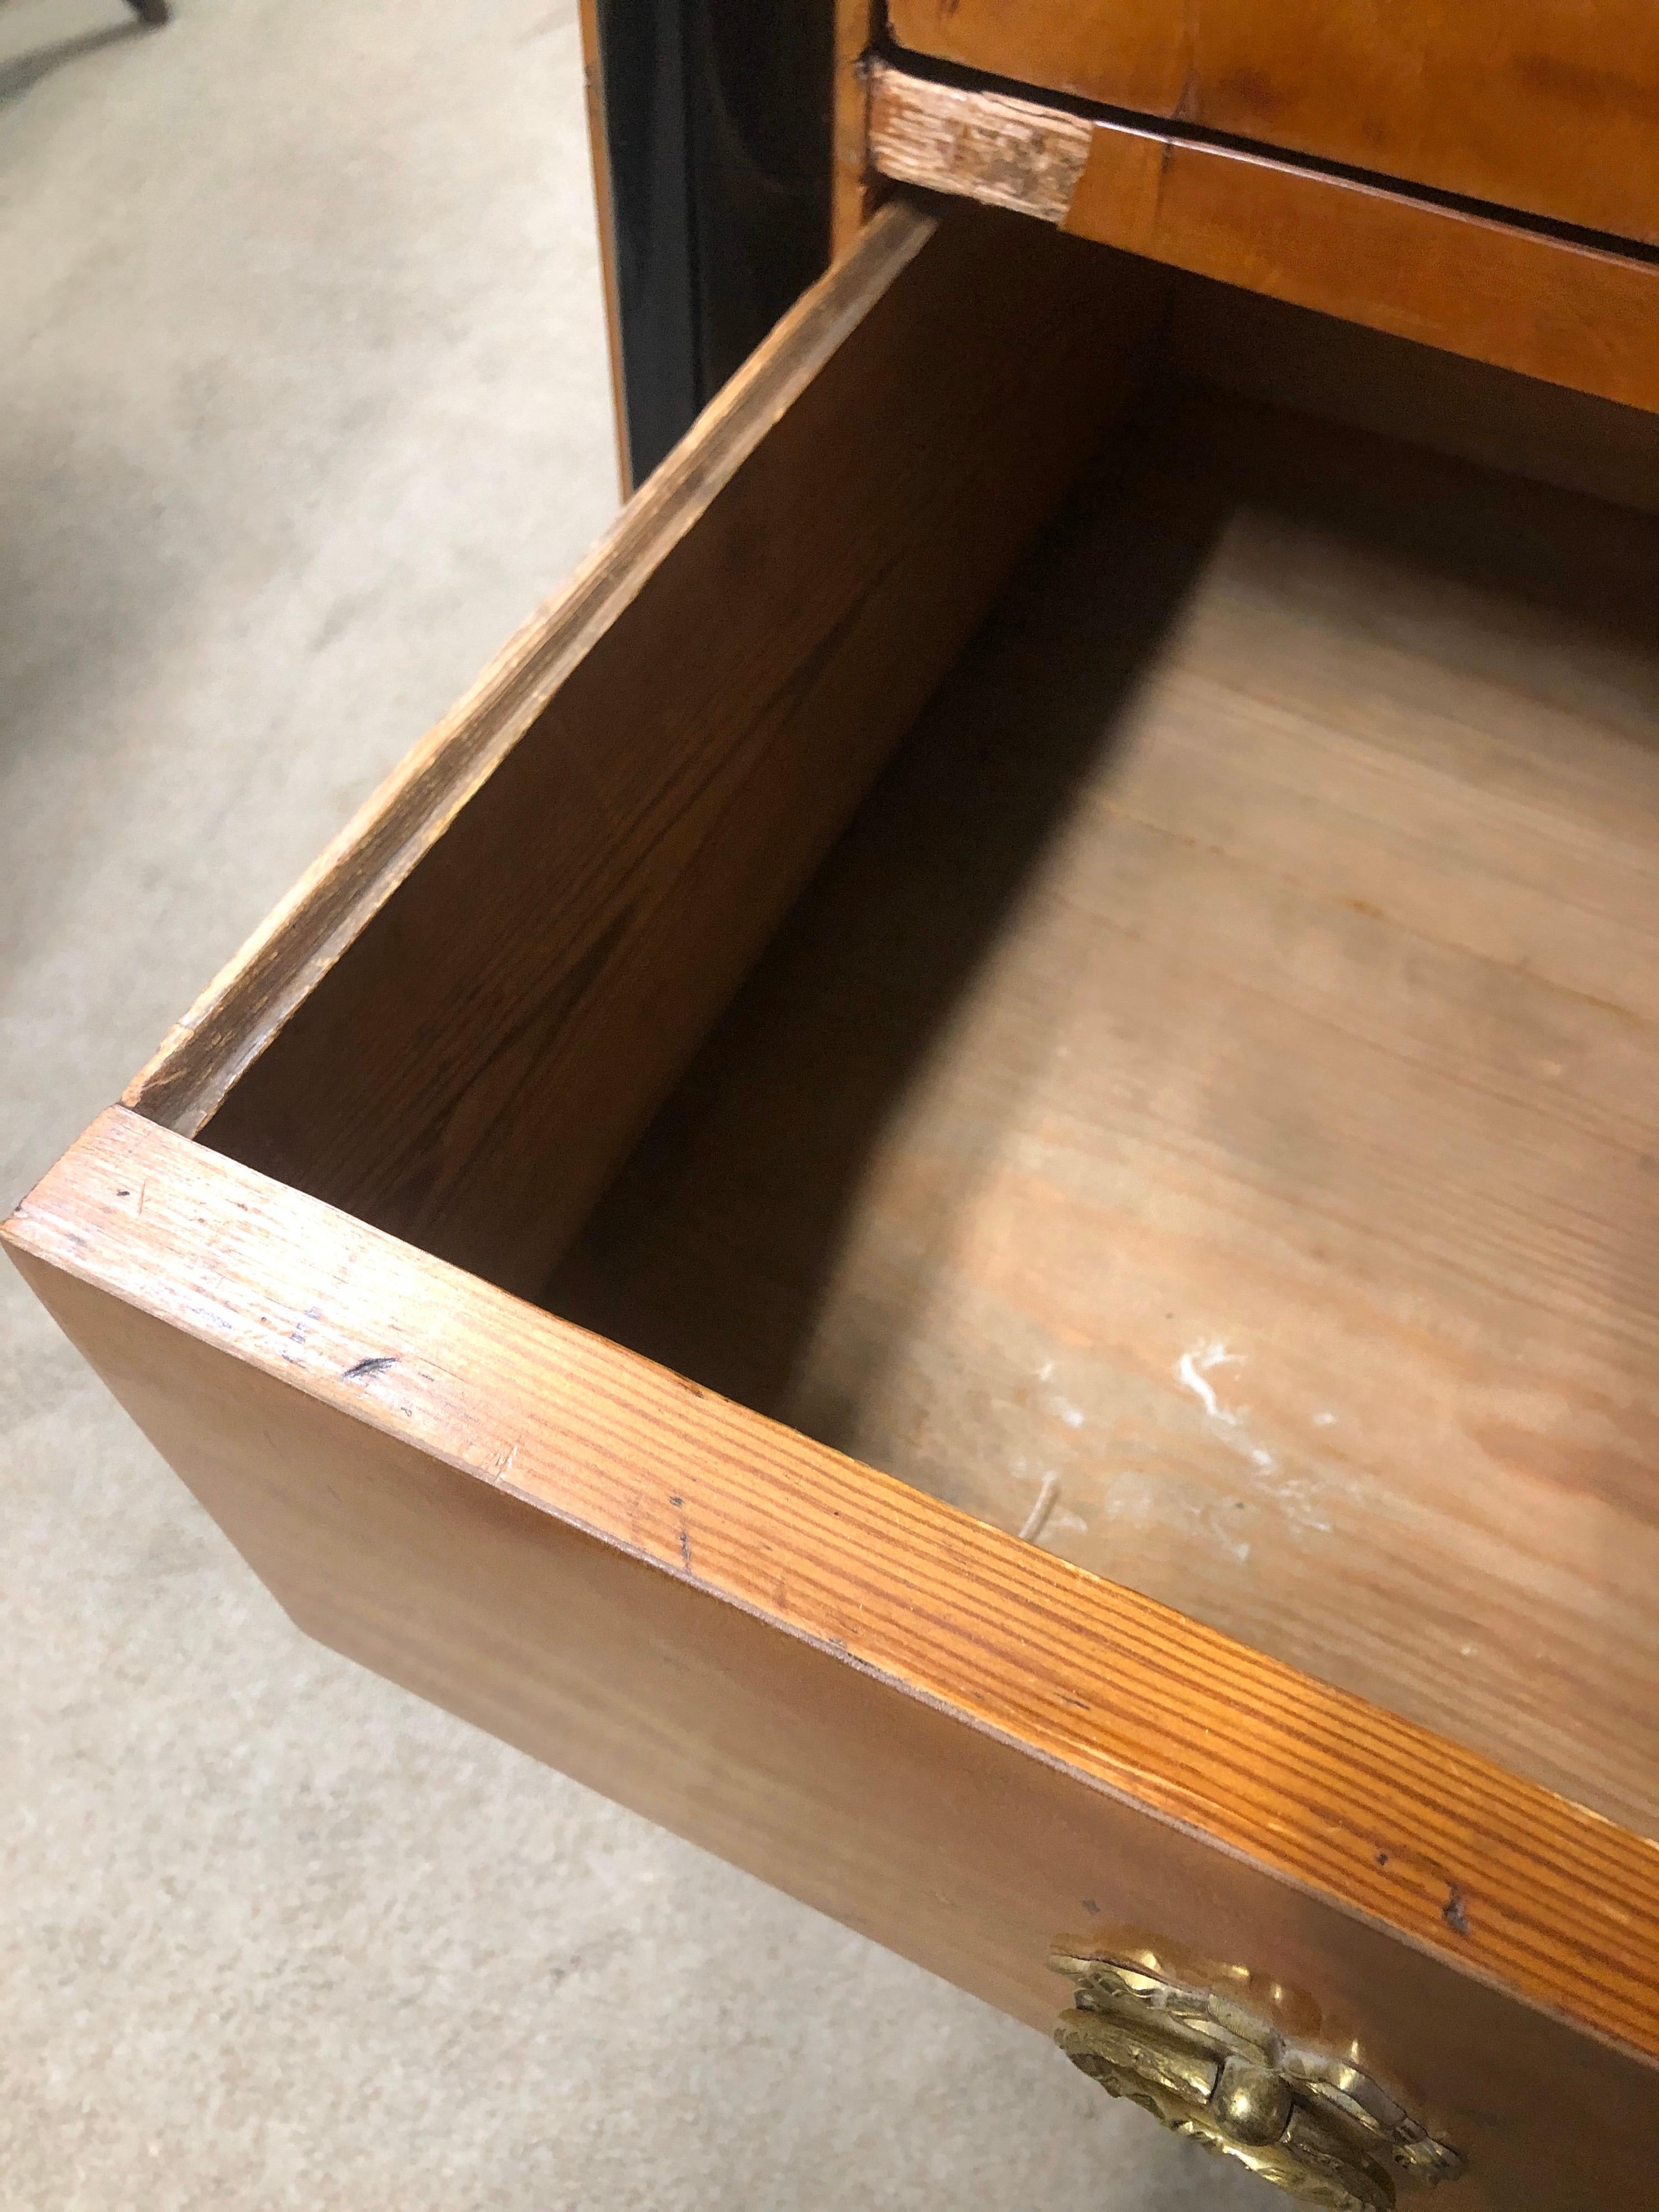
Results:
<point x="1519" y="298"/>
<point x="985" y="145"/>
<point x="1440" y="1848"/>
<point x="228" y="1026"/>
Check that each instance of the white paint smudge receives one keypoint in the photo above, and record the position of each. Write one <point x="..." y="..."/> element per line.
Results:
<point x="1192" y="1366"/>
<point x="1131" y="1496"/>
<point x="1324" y="1420"/>
<point x="1296" y="1494"/>
<point x="1045" y="1503"/>
<point x="1301" y="1502"/>
<point x="1071" y="1414"/>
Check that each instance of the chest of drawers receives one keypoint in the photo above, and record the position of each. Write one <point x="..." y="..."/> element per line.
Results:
<point x="959" y="1192"/>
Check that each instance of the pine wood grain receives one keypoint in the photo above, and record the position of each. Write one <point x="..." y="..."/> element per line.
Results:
<point x="1207" y="1110"/>
<point x="1522" y="299"/>
<point x="236" y="1017"/>
<point x="1548" y="107"/>
<point x="942" y="1735"/>
<point x="554" y="898"/>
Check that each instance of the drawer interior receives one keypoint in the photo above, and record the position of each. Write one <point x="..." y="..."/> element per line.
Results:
<point x="1201" y="1115"/>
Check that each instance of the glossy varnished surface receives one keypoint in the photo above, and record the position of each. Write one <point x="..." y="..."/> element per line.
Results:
<point x="1549" y="305"/>
<point x="1205" y="1111"/>
<point x="1547" y="106"/>
<point x="711" y="129"/>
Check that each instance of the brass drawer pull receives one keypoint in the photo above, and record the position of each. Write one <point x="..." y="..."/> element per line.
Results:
<point x="1213" y="2070"/>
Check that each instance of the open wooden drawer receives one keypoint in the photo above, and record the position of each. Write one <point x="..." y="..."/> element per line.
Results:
<point x="1186" y="1116"/>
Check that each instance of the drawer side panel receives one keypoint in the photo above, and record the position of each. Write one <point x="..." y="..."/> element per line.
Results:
<point x="498" y="1016"/>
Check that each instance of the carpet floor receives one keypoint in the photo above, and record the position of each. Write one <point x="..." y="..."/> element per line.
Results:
<point x="303" y="405"/>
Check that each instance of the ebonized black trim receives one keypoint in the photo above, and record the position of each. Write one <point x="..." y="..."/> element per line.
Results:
<point x="717" y="136"/>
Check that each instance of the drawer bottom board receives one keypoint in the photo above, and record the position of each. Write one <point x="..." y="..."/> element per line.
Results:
<point x="1202" y="1117"/>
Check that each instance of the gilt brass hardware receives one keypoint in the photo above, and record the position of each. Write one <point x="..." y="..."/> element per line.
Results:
<point x="1215" y="2069"/>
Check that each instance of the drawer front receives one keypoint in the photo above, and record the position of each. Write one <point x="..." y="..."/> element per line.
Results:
<point x="967" y="1748"/>
<point x="950" y="1740"/>
<point x="1547" y="107"/>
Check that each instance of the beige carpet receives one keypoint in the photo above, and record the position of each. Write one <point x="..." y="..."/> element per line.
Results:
<point x="304" y="405"/>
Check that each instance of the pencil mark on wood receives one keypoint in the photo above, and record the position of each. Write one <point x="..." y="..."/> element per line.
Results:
<point x="362" y="1370"/>
<point x="297" y="1335"/>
